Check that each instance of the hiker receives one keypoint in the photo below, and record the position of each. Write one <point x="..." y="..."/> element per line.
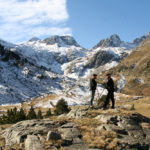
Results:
<point x="110" y="89"/>
<point x="93" y="85"/>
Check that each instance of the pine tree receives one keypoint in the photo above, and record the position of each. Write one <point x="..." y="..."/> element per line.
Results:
<point x="15" y="111"/>
<point x="31" y="114"/>
<point x="48" y="113"/>
<point x="21" y="115"/>
<point x="39" y="115"/>
<point x="11" y="116"/>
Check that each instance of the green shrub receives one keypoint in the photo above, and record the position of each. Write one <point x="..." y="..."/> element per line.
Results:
<point x="61" y="107"/>
<point x="132" y="107"/>
<point x="48" y="113"/>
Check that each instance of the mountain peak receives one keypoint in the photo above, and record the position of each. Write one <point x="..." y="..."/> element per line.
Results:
<point x="115" y="37"/>
<point x="148" y="34"/>
<point x="61" y="40"/>
<point x="34" y="39"/>
<point x="112" y="41"/>
<point x="137" y="41"/>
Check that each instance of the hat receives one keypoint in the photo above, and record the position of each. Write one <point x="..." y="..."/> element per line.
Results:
<point x="94" y="74"/>
<point x="108" y="74"/>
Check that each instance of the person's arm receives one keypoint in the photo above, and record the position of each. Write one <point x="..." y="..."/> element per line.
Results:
<point x="91" y="84"/>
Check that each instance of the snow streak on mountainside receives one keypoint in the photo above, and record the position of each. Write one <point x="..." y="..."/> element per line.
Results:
<point x="54" y="65"/>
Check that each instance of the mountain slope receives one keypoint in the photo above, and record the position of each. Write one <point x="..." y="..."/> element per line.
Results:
<point x="136" y="69"/>
<point x="21" y="78"/>
<point x="105" y="55"/>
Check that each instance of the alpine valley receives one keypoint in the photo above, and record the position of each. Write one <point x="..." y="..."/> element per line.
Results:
<point x="58" y="66"/>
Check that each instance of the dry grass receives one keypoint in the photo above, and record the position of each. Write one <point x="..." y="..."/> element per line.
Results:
<point x="142" y="106"/>
<point x="139" y="58"/>
<point x="97" y="139"/>
<point x="91" y="122"/>
<point x="94" y="138"/>
<point x="54" y="143"/>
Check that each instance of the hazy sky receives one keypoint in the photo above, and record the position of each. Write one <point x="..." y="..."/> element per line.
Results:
<point x="88" y="21"/>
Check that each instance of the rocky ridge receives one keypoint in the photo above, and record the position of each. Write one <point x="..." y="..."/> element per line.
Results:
<point x="61" y="41"/>
<point x="113" y="41"/>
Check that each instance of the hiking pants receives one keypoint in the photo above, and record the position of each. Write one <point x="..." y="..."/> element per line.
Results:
<point x="92" y="97"/>
<point x="110" y="95"/>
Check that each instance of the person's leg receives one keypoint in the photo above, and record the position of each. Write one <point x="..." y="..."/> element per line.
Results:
<point x="92" y="97"/>
<point x="113" y="100"/>
<point x="107" y="100"/>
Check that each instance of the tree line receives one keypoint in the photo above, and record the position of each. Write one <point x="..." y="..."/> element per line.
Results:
<point x="14" y="115"/>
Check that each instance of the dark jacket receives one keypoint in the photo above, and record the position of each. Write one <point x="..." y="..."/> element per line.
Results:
<point x="93" y="84"/>
<point x="110" y="85"/>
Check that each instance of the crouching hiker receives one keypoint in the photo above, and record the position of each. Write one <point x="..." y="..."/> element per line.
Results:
<point x="110" y="89"/>
<point x="93" y="85"/>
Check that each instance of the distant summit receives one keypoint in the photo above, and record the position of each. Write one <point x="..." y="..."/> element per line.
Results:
<point x="34" y="39"/>
<point x="141" y="39"/>
<point x="113" y="41"/>
<point x="61" y="41"/>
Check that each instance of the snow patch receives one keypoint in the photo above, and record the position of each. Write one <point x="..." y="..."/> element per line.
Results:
<point x="121" y="83"/>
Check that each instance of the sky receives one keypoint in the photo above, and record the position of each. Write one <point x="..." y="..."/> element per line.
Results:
<point x="88" y="21"/>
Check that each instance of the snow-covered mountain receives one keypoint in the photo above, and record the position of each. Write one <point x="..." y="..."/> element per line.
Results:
<point x="27" y="72"/>
<point x="105" y="55"/>
<point x="54" y="65"/>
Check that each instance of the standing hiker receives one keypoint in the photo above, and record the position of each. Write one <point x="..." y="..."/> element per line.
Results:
<point x="93" y="85"/>
<point x="110" y="89"/>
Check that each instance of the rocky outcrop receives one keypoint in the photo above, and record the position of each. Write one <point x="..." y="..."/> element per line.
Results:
<point x="61" y="40"/>
<point x="33" y="143"/>
<point x="101" y="58"/>
<point x="53" y="136"/>
<point x="19" y="132"/>
<point x="139" y="40"/>
<point x="34" y="39"/>
<point x="77" y="113"/>
<point x="132" y="130"/>
<point x="72" y="137"/>
<point x="113" y="41"/>
<point x="31" y="133"/>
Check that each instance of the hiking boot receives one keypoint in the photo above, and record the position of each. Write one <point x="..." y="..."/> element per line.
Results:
<point x="104" y="108"/>
<point x="91" y="107"/>
<point x="112" y="107"/>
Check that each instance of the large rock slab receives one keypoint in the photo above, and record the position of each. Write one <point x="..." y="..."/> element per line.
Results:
<point x="53" y="136"/>
<point x="72" y="136"/>
<point x="132" y="130"/>
<point x="33" y="143"/>
<point x="77" y="113"/>
<point x="19" y="132"/>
